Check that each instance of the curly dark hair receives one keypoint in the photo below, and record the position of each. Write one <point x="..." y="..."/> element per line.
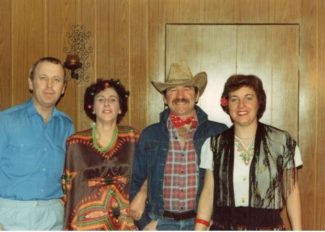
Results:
<point x="237" y="81"/>
<point x="97" y="87"/>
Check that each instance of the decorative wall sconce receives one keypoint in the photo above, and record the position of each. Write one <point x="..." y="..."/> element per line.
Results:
<point x="78" y="52"/>
<point x="72" y="62"/>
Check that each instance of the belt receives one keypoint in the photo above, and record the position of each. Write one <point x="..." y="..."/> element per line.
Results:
<point x="33" y="203"/>
<point x="180" y="215"/>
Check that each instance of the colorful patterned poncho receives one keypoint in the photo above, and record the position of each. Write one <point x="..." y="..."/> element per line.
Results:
<point x="96" y="183"/>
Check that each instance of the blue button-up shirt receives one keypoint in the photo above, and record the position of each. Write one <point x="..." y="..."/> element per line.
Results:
<point x="32" y="153"/>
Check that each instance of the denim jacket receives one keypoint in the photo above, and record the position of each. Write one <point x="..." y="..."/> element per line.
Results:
<point x="151" y="155"/>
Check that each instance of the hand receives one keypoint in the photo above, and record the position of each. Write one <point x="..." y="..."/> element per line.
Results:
<point x="126" y="223"/>
<point x="152" y="225"/>
<point x="137" y="205"/>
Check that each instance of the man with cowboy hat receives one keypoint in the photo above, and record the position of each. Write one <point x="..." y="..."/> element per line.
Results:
<point x="168" y="153"/>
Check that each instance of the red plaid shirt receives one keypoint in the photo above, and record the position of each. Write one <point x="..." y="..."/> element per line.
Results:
<point x="181" y="173"/>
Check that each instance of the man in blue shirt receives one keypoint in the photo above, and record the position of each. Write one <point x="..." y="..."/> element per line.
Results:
<point x="32" y="151"/>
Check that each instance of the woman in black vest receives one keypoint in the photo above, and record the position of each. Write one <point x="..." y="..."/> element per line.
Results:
<point x="250" y="168"/>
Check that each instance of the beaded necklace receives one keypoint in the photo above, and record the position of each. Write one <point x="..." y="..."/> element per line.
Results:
<point x="246" y="153"/>
<point x="103" y="149"/>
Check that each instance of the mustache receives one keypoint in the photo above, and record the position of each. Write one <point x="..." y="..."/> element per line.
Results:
<point x="180" y="100"/>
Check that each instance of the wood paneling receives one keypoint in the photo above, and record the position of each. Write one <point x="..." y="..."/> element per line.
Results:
<point x="5" y="54"/>
<point x="86" y="16"/>
<point x="139" y="81"/>
<point x="129" y="43"/>
<point x="308" y="128"/>
<point x="156" y="56"/>
<point x="319" y="194"/>
<point x="28" y="43"/>
<point x="60" y="15"/>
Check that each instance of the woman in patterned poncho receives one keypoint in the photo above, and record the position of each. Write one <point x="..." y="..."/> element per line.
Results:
<point x="99" y="163"/>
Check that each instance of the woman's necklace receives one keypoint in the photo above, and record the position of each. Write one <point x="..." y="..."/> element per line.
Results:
<point x="103" y="149"/>
<point x="246" y="153"/>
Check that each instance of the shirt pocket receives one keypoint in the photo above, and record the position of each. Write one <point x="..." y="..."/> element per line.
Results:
<point x="22" y="157"/>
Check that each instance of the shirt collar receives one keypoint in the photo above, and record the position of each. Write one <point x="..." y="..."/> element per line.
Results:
<point x="31" y="109"/>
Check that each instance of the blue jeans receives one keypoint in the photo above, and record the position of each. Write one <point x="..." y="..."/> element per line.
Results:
<point x="171" y="224"/>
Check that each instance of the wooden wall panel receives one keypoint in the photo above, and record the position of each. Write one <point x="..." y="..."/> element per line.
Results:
<point x="102" y="62"/>
<point x="248" y="11"/>
<point x="156" y="56"/>
<point x="288" y="11"/>
<point x="183" y="11"/>
<point x="28" y="43"/>
<point x="87" y="17"/>
<point x="308" y="112"/>
<point x="5" y="54"/>
<point x="112" y="39"/>
<point x="275" y="11"/>
<point x="60" y="16"/>
<point x="139" y="81"/>
<point x="220" y="11"/>
<point x="120" y="40"/>
<point x="320" y="160"/>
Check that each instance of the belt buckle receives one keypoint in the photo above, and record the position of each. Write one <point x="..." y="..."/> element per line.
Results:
<point x="178" y="216"/>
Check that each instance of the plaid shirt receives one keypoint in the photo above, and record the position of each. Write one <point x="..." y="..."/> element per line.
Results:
<point x="181" y="173"/>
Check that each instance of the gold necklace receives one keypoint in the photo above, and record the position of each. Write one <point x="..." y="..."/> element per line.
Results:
<point x="103" y="149"/>
<point x="246" y="153"/>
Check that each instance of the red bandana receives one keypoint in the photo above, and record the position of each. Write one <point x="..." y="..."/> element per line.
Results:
<point x="178" y="122"/>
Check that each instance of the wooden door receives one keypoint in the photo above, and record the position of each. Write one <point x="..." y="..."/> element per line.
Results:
<point x="269" y="51"/>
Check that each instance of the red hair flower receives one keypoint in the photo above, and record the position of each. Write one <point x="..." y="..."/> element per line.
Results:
<point x="224" y="101"/>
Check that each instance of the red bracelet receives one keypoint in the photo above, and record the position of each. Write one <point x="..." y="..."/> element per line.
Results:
<point x="202" y="221"/>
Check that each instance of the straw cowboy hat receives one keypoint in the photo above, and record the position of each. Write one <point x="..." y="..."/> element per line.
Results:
<point x="180" y="74"/>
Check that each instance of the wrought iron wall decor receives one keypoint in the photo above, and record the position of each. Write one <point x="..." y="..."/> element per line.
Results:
<point x="78" y="52"/>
